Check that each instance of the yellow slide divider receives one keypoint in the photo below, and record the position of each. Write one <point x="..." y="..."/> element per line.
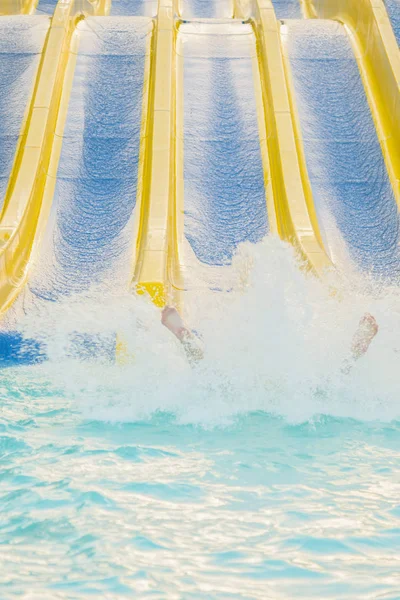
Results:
<point x="31" y="185"/>
<point x="294" y="206"/>
<point x="378" y="58"/>
<point x="157" y="203"/>
<point x="18" y="7"/>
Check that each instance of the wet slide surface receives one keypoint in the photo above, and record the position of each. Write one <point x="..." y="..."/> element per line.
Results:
<point x="287" y="9"/>
<point x="206" y="9"/>
<point x="354" y="200"/>
<point x="224" y="197"/>
<point x="90" y="233"/>
<point x="134" y="8"/>
<point x="46" y="7"/>
<point x="21" y="43"/>
<point x="393" y="8"/>
<point x="126" y="8"/>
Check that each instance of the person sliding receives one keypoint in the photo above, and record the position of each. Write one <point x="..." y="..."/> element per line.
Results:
<point x="172" y="320"/>
<point x="366" y="331"/>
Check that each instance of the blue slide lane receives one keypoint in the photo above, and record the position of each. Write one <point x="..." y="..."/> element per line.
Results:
<point x="119" y="8"/>
<point x="287" y="9"/>
<point x="46" y="7"/>
<point x="21" y="42"/>
<point x="134" y="8"/>
<point x="207" y="9"/>
<point x="354" y="200"/>
<point x="225" y="200"/>
<point x="393" y="8"/>
<point x="90" y="232"/>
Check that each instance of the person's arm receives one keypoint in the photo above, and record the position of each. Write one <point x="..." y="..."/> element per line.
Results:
<point x="172" y="320"/>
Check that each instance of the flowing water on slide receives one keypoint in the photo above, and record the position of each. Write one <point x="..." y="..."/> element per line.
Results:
<point x="21" y="43"/>
<point x="119" y="8"/>
<point x="356" y="208"/>
<point x="393" y="8"/>
<point x="287" y="9"/>
<point x="206" y="9"/>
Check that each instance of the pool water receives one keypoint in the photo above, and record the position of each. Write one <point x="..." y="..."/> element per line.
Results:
<point x="266" y="472"/>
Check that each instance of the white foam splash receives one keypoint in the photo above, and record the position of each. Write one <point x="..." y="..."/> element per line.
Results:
<point x="277" y="346"/>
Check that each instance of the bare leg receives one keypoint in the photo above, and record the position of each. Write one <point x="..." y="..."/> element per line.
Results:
<point x="172" y="320"/>
<point x="367" y="330"/>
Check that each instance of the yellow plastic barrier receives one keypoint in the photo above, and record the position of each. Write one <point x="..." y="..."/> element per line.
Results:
<point x="17" y="7"/>
<point x="156" y="204"/>
<point x="31" y="185"/>
<point x="297" y="221"/>
<point x="378" y="57"/>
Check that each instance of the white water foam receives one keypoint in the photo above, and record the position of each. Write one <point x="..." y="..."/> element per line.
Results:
<point x="277" y="346"/>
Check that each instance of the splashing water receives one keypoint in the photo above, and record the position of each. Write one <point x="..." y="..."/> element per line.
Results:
<point x="264" y="469"/>
<point x="277" y="346"/>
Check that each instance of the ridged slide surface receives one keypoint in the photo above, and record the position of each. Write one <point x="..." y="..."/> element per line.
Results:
<point x="207" y="9"/>
<point x="354" y="200"/>
<point x="46" y="7"/>
<point x="393" y="8"/>
<point x="287" y="9"/>
<point x="224" y="196"/>
<point x="122" y="8"/>
<point x="90" y="232"/>
<point x="21" y="43"/>
<point x="134" y="8"/>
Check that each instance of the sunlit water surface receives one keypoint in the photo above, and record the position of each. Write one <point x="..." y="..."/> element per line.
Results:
<point x="265" y="472"/>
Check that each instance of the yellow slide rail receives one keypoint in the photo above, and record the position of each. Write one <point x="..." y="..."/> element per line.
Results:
<point x="157" y="202"/>
<point x="18" y="7"/>
<point x="294" y="206"/>
<point x="378" y="58"/>
<point x="31" y="185"/>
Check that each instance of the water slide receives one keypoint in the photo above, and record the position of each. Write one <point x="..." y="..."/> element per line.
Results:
<point x="354" y="199"/>
<point x="144" y="141"/>
<point x="118" y="8"/>
<point x="206" y="9"/>
<point x="288" y="9"/>
<point x="21" y="44"/>
<point x="341" y="66"/>
<point x="89" y="234"/>
<point x="221" y="144"/>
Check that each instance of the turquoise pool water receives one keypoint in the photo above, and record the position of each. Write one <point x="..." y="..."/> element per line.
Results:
<point x="264" y="473"/>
